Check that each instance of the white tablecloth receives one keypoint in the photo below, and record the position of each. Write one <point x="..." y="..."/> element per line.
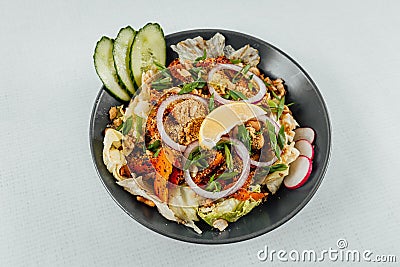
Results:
<point x="55" y="212"/>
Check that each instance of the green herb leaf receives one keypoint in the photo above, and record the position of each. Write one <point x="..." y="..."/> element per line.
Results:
<point x="226" y="96"/>
<point x="239" y="74"/>
<point x="127" y="126"/>
<point x="166" y="73"/>
<point x="154" y="146"/>
<point x="227" y="175"/>
<point x="281" y="137"/>
<point x="191" y="157"/>
<point x="244" y="136"/>
<point x="211" y="104"/>
<point x="250" y="86"/>
<point x="157" y="152"/>
<point x="245" y="69"/>
<point x="278" y="108"/>
<point x="272" y="104"/>
<point x="201" y="162"/>
<point x="160" y="87"/>
<point x="163" y="83"/>
<point x="275" y="95"/>
<point x="189" y="87"/>
<point x="214" y="186"/>
<point x="273" y="140"/>
<point x="159" y="65"/>
<point x="221" y="145"/>
<point x="196" y="72"/>
<point x="211" y="186"/>
<point x="290" y="104"/>
<point x="139" y="126"/>
<point x="196" y="158"/>
<point x="120" y="127"/>
<point x="271" y="131"/>
<point x="278" y="167"/>
<point x="228" y="158"/>
<point x="232" y="96"/>
<point x="195" y="152"/>
<point x="218" y="187"/>
<point x="188" y="163"/>
<point x="201" y="58"/>
<point x="267" y="84"/>
<point x="281" y="106"/>
<point x="201" y="83"/>
<point x="235" y="61"/>
<point x="236" y="95"/>
<point x="212" y="178"/>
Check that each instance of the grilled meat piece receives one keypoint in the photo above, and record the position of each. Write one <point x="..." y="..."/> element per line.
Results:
<point x="140" y="165"/>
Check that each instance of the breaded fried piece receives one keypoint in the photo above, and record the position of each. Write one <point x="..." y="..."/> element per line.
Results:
<point x="190" y="131"/>
<point x="188" y="110"/>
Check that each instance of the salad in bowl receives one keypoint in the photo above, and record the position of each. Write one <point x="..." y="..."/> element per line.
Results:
<point x="208" y="136"/>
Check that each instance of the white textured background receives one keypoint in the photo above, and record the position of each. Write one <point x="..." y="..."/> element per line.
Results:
<point x="53" y="208"/>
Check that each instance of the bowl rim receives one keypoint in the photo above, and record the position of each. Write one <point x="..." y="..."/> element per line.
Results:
<point x="268" y="229"/>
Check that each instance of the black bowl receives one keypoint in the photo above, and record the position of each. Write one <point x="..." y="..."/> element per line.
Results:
<point x="309" y="110"/>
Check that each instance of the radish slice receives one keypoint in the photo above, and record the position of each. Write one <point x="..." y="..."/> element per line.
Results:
<point x="299" y="172"/>
<point x="305" y="148"/>
<point x="304" y="133"/>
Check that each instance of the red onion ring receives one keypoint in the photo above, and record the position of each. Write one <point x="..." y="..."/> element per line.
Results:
<point x="263" y="163"/>
<point x="190" y="148"/>
<point x="243" y="154"/>
<point x="254" y="100"/>
<point x="160" y="114"/>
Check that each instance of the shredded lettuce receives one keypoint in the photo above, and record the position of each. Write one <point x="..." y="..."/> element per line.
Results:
<point x="135" y="186"/>
<point x="184" y="203"/>
<point x="274" y="180"/>
<point x="230" y="209"/>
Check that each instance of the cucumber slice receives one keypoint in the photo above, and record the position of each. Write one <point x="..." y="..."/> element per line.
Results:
<point x="148" y="46"/>
<point x="121" y="54"/>
<point x="104" y="65"/>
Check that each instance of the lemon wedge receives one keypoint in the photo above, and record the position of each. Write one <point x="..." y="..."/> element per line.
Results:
<point x="222" y="119"/>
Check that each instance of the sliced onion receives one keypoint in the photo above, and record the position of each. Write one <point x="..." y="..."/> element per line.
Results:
<point x="243" y="154"/>
<point x="254" y="100"/>
<point x="160" y="114"/>
<point x="263" y="163"/>
<point x="190" y="148"/>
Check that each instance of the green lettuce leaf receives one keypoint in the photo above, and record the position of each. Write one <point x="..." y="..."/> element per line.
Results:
<point x="230" y="209"/>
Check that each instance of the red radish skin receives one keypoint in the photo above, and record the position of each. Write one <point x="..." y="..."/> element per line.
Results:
<point x="305" y="148"/>
<point x="304" y="133"/>
<point x="299" y="172"/>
